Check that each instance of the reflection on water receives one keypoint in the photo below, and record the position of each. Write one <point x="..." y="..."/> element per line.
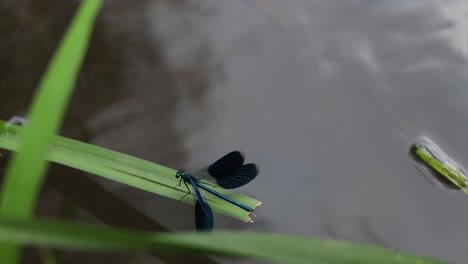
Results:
<point x="328" y="103"/>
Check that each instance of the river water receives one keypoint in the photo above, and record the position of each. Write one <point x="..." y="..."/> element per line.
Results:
<point x="325" y="95"/>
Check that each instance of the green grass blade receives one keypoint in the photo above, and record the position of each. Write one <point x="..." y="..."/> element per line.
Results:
<point x="47" y="256"/>
<point x="126" y="169"/>
<point x="271" y="247"/>
<point x="25" y="172"/>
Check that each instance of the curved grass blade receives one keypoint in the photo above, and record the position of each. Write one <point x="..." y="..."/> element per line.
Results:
<point x="126" y="169"/>
<point x="25" y="172"/>
<point x="263" y="246"/>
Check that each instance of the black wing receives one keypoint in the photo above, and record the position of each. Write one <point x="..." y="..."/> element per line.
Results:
<point x="226" y="165"/>
<point x="239" y="177"/>
<point x="204" y="219"/>
<point x="203" y="216"/>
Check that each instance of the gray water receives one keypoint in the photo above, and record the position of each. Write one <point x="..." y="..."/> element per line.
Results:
<point x="325" y="95"/>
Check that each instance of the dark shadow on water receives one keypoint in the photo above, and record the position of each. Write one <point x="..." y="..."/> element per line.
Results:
<point x="122" y="61"/>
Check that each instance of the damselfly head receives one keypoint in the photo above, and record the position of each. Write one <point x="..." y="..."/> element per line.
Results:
<point x="180" y="173"/>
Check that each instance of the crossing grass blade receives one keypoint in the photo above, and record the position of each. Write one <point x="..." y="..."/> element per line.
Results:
<point x="263" y="246"/>
<point x="24" y="174"/>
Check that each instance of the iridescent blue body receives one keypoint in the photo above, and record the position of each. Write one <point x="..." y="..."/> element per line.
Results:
<point x="189" y="178"/>
<point x="229" y="173"/>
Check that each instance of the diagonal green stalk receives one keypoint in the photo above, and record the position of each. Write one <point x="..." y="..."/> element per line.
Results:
<point x="125" y="169"/>
<point x="263" y="246"/>
<point x="25" y="172"/>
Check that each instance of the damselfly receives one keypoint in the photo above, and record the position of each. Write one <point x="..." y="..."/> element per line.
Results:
<point x="229" y="172"/>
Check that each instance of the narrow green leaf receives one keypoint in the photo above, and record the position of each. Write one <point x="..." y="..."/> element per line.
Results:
<point x="126" y="169"/>
<point x="47" y="256"/>
<point x="25" y="172"/>
<point x="264" y="246"/>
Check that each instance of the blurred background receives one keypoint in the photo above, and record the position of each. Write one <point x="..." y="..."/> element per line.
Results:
<point x="326" y="96"/>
